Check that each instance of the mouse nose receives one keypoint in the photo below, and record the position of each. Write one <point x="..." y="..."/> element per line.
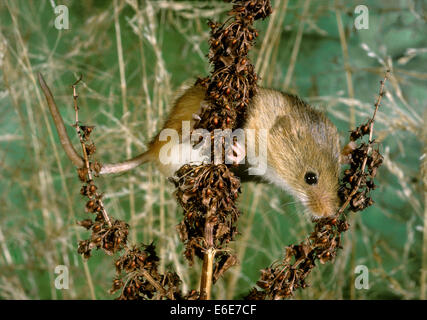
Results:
<point x="322" y="209"/>
<point x="322" y="203"/>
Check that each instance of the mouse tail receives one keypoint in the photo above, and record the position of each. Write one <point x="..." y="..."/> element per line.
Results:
<point x="72" y="154"/>
<point x="126" y="165"/>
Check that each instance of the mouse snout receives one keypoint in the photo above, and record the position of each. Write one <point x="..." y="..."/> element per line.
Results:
<point x="322" y="205"/>
<point x="322" y="211"/>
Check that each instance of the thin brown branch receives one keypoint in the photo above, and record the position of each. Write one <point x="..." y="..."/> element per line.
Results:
<point x="85" y="153"/>
<point x="371" y="129"/>
<point x="154" y="283"/>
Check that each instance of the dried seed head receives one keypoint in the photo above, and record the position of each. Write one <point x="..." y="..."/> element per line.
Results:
<point x="87" y="223"/>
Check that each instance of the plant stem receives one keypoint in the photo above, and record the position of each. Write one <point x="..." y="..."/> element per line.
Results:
<point x="208" y="261"/>
<point x="85" y="156"/>
<point x="207" y="272"/>
<point x="371" y="128"/>
<point x="151" y="280"/>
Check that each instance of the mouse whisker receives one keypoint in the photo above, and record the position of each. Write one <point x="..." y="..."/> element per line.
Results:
<point x="289" y="203"/>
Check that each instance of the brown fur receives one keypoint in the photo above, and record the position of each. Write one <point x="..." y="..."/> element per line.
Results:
<point x="300" y="139"/>
<point x="183" y="109"/>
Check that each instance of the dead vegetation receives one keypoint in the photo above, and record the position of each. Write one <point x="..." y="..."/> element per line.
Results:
<point x="38" y="180"/>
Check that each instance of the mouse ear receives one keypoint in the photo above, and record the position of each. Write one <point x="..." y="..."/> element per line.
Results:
<point x="345" y="155"/>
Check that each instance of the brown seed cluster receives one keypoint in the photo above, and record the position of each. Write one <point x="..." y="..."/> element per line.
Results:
<point x="225" y="261"/>
<point x="360" y="181"/>
<point x="232" y="83"/>
<point x="111" y="235"/>
<point x="137" y="268"/>
<point x="282" y="279"/>
<point x="110" y="239"/>
<point x="208" y="193"/>
<point x="138" y="277"/>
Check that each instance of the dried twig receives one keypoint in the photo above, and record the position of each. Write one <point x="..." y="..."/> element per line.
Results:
<point x="85" y="131"/>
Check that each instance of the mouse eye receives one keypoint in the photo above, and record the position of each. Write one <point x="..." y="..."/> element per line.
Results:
<point x="310" y="178"/>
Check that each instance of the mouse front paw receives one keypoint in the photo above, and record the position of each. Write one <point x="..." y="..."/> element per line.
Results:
<point x="236" y="154"/>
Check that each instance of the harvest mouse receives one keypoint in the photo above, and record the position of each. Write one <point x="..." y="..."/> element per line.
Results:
<point x="303" y="153"/>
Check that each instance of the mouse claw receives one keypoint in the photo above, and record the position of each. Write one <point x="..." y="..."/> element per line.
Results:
<point x="240" y="154"/>
<point x="196" y="117"/>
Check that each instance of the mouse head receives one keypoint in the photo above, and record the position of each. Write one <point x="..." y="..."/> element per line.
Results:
<point x="304" y="159"/>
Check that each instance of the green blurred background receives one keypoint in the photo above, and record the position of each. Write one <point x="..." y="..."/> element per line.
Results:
<point x="133" y="56"/>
